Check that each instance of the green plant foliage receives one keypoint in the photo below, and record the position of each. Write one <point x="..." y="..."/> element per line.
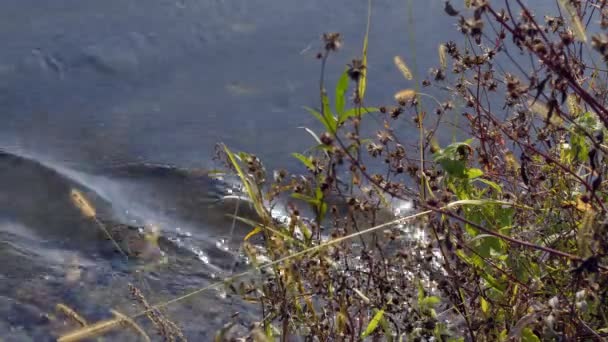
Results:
<point x="509" y="224"/>
<point x="373" y="324"/>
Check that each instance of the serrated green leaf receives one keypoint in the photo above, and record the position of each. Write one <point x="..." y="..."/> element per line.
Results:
<point x="373" y="324"/>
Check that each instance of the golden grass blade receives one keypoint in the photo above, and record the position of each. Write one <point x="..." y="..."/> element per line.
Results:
<point x="252" y="233"/>
<point x="67" y="311"/>
<point x="88" y="210"/>
<point x="405" y="71"/>
<point x="131" y="323"/>
<point x="363" y="79"/>
<point x="82" y="204"/>
<point x="443" y="61"/>
<point x="91" y="331"/>
<point x="575" y="21"/>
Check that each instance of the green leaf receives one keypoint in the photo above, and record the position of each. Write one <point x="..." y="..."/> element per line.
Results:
<point x="527" y="335"/>
<point x="373" y="324"/>
<point x="322" y="210"/>
<point x="589" y="121"/>
<point x="474" y="173"/>
<point x="455" y="339"/>
<point x="455" y="168"/>
<point x="349" y="113"/>
<point x="388" y="333"/>
<point x="319" y="117"/>
<point x="453" y="158"/>
<point x="493" y="282"/>
<point x="485" y="306"/>
<point x="318" y="194"/>
<point x="430" y="302"/>
<point x="332" y="122"/>
<point x="305" y="231"/>
<point x="421" y="292"/>
<point x="491" y="184"/>
<point x="579" y="149"/>
<point x="341" y="89"/>
<point x="363" y="79"/>
<point x="249" y="187"/>
<point x="487" y="244"/>
<point x="305" y="160"/>
<point x="305" y="198"/>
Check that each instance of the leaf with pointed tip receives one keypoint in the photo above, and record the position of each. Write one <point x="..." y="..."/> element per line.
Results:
<point x="305" y="160"/>
<point x="373" y="324"/>
<point x="363" y="78"/>
<point x="341" y="90"/>
<point x="321" y="118"/>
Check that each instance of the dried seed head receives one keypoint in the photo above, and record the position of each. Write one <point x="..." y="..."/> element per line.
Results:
<point x="355" y="69"/>
<point x="567" y="37"/>
<point x="333" y="41"/>
<point x="396" y="111"/>
<point x="326" y="139"/>
<point x="404" y="96"/>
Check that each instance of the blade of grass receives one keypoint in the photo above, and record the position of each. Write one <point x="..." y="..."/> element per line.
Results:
<point x="363" y="79"/>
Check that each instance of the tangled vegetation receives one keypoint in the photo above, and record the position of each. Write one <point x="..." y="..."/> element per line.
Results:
<point x="507" y="237"/>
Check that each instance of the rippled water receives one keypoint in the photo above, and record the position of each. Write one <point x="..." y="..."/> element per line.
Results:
<point x="87" y="87"/>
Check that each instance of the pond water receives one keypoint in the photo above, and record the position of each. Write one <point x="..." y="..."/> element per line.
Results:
<point x="90" y="86"/>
